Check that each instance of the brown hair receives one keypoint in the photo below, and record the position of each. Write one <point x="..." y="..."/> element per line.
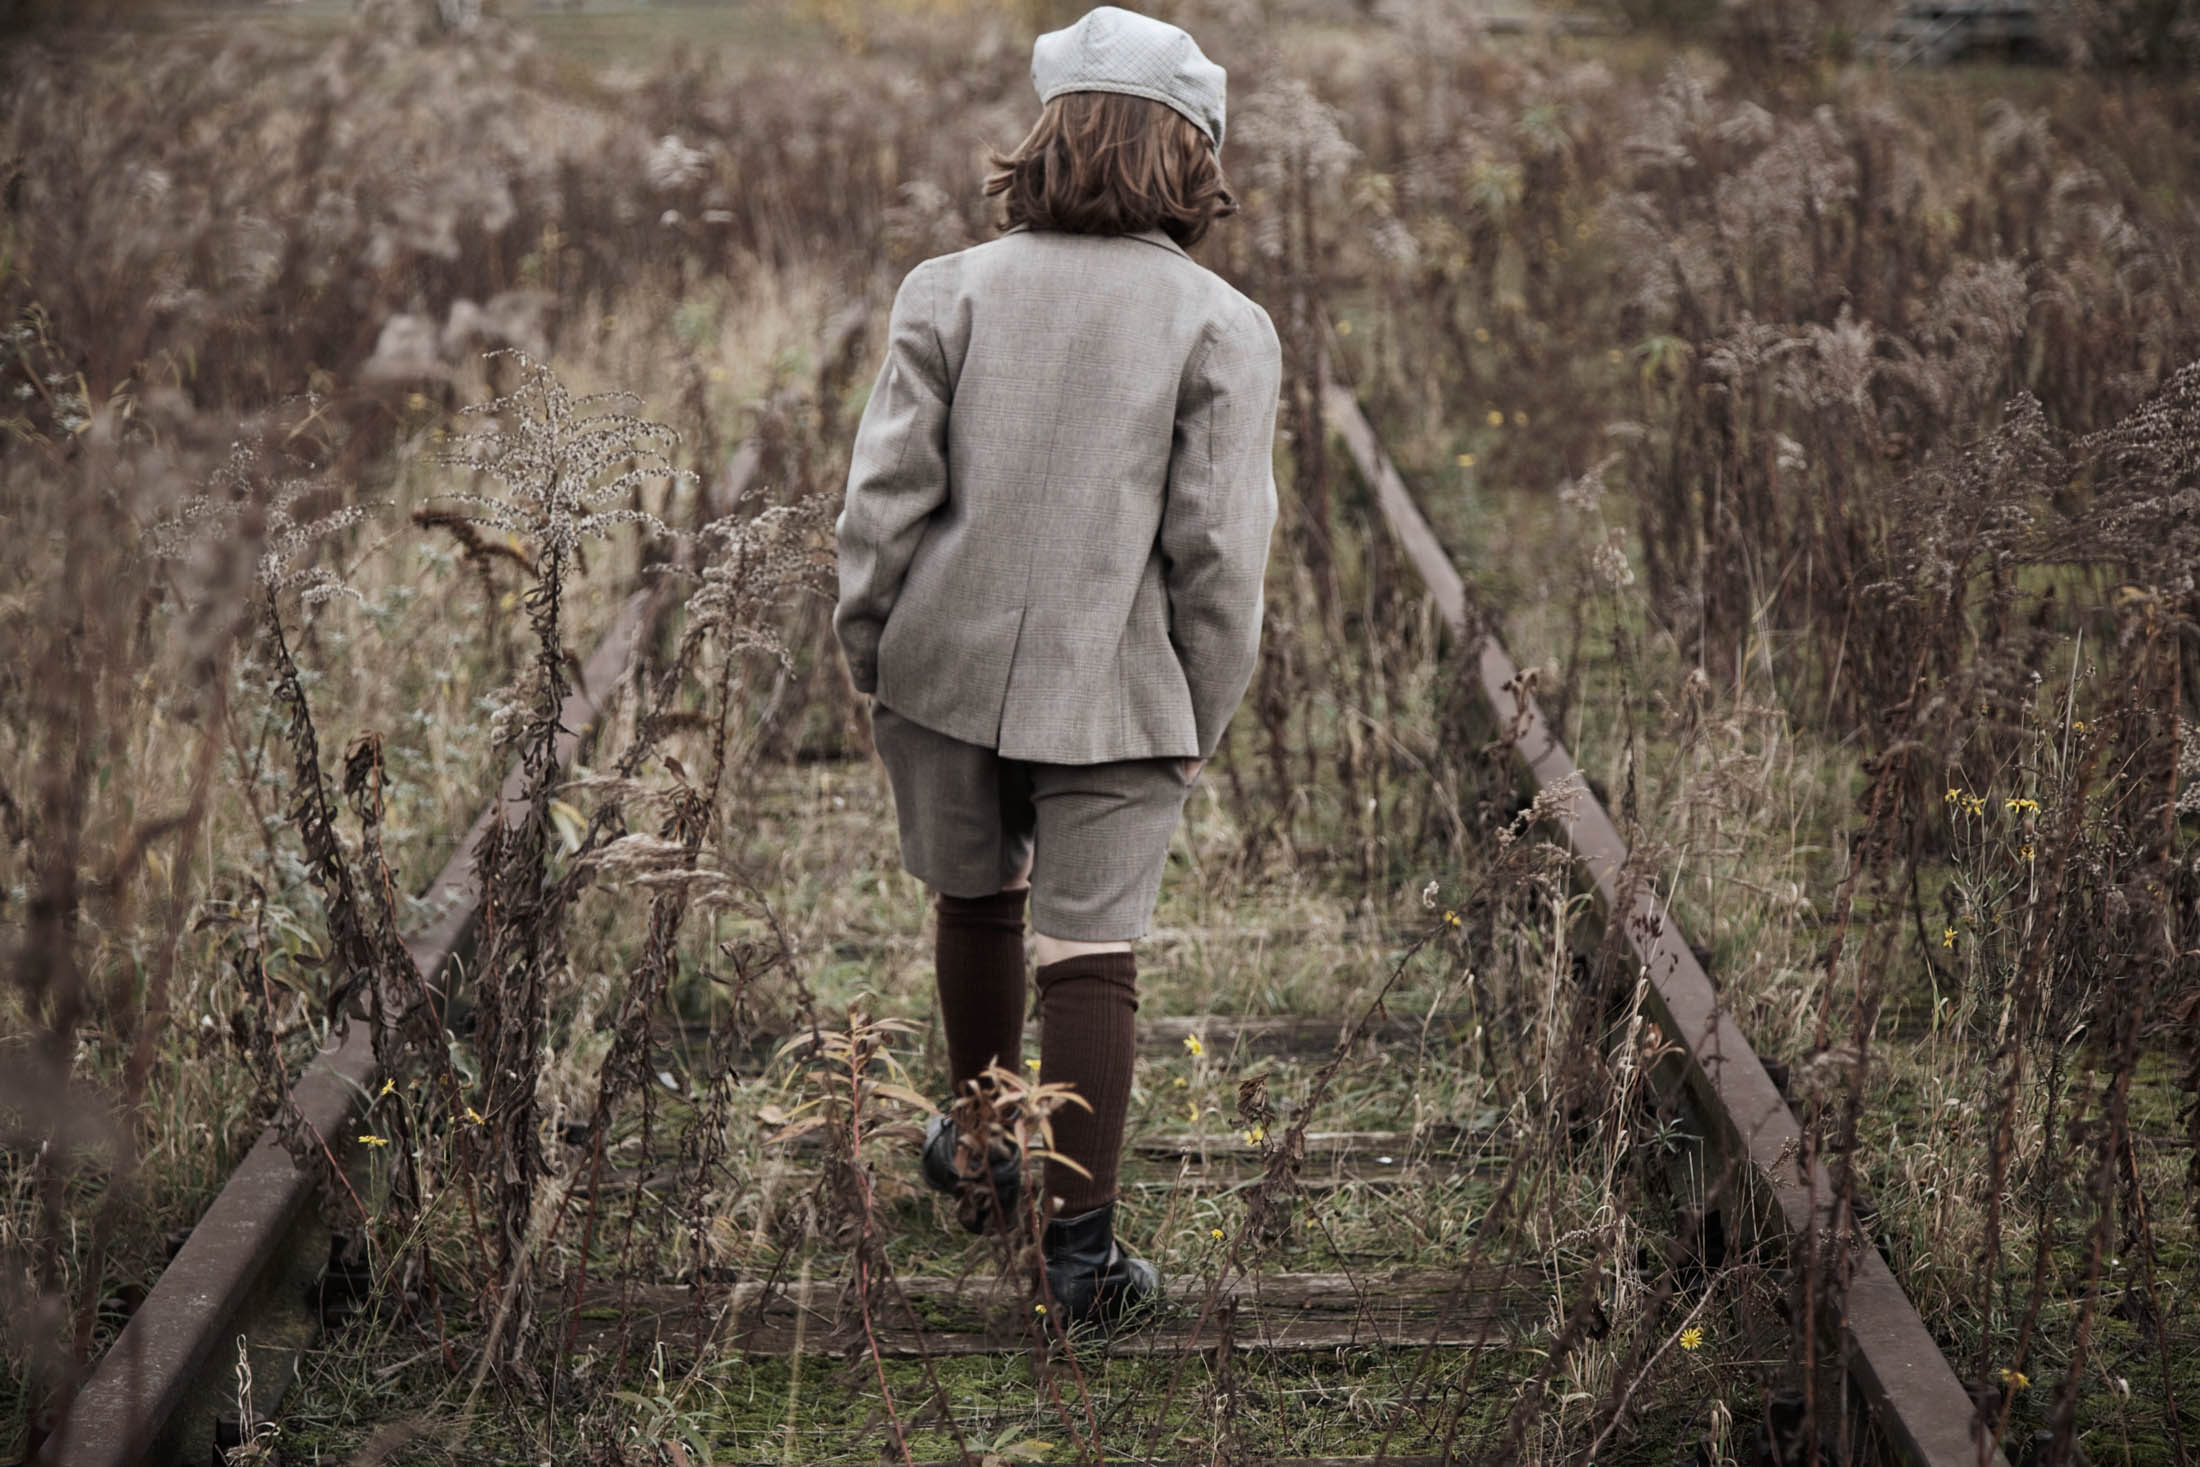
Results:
<point x="1110" y="163"/>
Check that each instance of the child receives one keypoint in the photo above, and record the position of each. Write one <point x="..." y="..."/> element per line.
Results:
<point x="1057" y="519"/>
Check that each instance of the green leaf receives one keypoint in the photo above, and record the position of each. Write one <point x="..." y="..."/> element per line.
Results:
<point x="570" y="825"/>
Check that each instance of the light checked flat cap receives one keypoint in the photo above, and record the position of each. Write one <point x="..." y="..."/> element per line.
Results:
<point x="1116" y="50"/>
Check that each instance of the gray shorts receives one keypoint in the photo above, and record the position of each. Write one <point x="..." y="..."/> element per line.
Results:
<point x="1097" y="835"/>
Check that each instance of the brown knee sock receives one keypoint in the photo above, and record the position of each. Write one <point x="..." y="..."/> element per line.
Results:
<point x="1088" y="1008"/>
<point x="979" y="964"/>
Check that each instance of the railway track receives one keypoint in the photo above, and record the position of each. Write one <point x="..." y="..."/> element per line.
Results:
<point x="256" y="1251"/>
<point x="942" y="1317"/>
<point x="243" y="1257"/>
<point x="147" y="1399"/>
<point x="1914" y="1396"/>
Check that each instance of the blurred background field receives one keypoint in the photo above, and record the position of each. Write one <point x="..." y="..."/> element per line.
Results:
<point x="1820" y="432"/>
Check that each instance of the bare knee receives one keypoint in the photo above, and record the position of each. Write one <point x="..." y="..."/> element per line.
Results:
<point x="1056" y="949"/>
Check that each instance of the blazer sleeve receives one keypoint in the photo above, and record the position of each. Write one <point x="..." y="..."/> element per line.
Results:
<point x="1219" y="511"/>
<point x="897" y="476"/>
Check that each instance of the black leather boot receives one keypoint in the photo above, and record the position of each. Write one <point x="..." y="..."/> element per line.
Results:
<point x="981" y="1202"/>
<point x="1090" y="1279"/>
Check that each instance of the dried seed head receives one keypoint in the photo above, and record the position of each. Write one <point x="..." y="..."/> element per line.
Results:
<point x="569" y="466"/>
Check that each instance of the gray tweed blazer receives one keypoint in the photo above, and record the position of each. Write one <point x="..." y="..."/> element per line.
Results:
<point x="1059" y="507"/>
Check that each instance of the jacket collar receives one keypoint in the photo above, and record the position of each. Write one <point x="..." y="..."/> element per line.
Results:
<point x="1158" y="237"/>
<point x="1161" y="238"/>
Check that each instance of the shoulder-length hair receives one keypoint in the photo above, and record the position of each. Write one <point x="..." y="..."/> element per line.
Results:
<point x="1111" y="163"/>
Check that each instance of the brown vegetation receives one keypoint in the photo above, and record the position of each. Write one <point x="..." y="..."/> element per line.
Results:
<point x="1830" y="440"/>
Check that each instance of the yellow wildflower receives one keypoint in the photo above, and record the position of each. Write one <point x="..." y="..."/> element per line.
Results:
<point x="475" y="1116"/>
<point x="1451" y="918"/>
<point x="1466" y="460"/>
<point x="1691" y="1338"/>
<point x="387" y="1087"/>
<point x="1255" y="1136"/>
<point x="1497" y="419"/>
<point x="2015" y="1379"/>
<point x="1215" y="1233"/>
<point x="1032" y="1065"/>
<point x="1191" y="1112"/>
<point x="374" y="1140"/>
<point x="1520" y="419"/>
<point x="2025" y="850"/>
<point x="1038" y="1309"/>
<point x="1974" y="805"/>
<point x="2022" y="806"/>
<point x="1947" y="937"/>
<point x="1952" y="796"/>
<point x="1344" y="328"/>
<point x="1192" y="1043"/>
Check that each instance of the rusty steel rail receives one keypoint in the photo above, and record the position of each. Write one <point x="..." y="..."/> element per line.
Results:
<point x="123" y="1411"/>
<point x="1912" y="1391"/>
<point x="239" y="1251"/>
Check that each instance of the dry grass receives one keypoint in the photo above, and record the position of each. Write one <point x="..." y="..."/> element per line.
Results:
<point x="1817" y="432"/>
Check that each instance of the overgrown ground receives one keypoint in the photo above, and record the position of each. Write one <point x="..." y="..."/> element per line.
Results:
<point x="1698" y="357"/>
